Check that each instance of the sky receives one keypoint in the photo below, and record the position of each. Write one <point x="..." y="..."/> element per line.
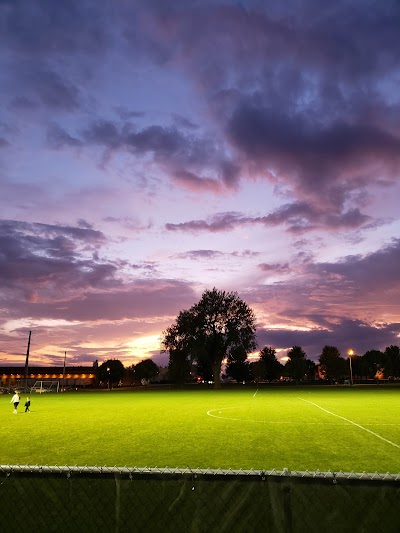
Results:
<point x="151" y="150"/>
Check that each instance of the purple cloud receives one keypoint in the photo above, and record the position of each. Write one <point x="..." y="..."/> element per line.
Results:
<point x="297" y="217"/>
<point x="40" y="259"/>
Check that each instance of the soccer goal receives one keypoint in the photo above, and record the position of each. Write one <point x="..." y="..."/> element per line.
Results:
<point x="45" y="386"/>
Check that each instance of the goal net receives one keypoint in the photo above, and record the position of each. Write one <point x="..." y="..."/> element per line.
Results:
<point x="45" y="386"/>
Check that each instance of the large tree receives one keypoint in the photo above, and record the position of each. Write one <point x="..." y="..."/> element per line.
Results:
<point x="392" y="361"/>
<point x="332" y="363"/>
<point x="146" y="369"/>
<point x="210" y="330"/>
<point x="270" y="365"/>
<point x="238" y="368"/>
<point x="178" y="367"/>
<point x="372" y="361"/>
<point x="296" y="365"/>
<point x="204" y="370"/>
<point x="112" y="371"/>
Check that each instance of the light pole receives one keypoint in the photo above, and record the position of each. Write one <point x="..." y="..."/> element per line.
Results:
<point x="350" y="352"/>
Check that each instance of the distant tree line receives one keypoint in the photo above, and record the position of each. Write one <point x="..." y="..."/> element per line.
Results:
<point x="374" y="364"/>
<point x="220" y="328"/>
<point x="113" y="372"/>
<point x="220" y="332"/>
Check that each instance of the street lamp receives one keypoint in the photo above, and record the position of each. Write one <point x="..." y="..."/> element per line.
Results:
<point x="109" y="377"/>
<point x="351" y="352"/>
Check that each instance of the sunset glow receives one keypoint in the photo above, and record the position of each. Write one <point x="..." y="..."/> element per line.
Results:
<point x="152" y="150"/>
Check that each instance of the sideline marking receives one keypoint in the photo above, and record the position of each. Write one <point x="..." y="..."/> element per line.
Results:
<point x="269" y="422"/>
<point x="351" y="422"/>
<point x="254" y="395"/>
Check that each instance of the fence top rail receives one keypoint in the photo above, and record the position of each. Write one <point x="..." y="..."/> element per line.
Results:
<point x="208" y="472"/>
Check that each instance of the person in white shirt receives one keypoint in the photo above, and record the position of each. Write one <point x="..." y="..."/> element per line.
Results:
<point x="15" y="401"/>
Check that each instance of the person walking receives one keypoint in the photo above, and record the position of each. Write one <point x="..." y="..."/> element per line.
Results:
<point x="27" y="405"/>
<point x="15" y="400"/>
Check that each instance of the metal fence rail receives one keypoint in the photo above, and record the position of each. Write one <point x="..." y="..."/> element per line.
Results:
<point x="38" y="498"/>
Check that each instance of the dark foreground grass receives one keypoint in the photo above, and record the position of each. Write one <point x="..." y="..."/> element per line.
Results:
<point x="328" y="429"/>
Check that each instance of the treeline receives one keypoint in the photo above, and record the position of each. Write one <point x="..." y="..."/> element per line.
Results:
<point x="374" y="364"/>
<point x="220" y="331"/>
<point x="221" y="327"/>
<point x="113" y="372"/>
<point x="331" y="365"/>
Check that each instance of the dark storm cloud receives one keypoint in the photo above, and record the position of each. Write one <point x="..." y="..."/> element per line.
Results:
<point x="315" y="158"/>
<point x="130" y="223"/>
<point x="219" y="222"/>
<point x="294" y="90"/>
<point x="184" y="157"/>
<point x="50" y="28"/>
<point x="191" y="181"/>
<point x="246" y="254"/>
<point x="40" y="258"/>
<point x="220" y="43"/>
<point x="183" y="122"/>
<point x="199" y="254"/>
<point x="266" y="133"/>
<point x="323" y="294"/>
<point x="214" y="254"/>
<point x="23" y="104"/>
<point x="162" y="142"/>
<point x="127" y="114"/>
<point x="298" y="217"/>
<point x="50" y="49"/>
<point x="301" y="216"/>
<point x="57" y="138"/>
<point x="156" y="139"/>
<point x="137" y="300"/>
<point x="84" y="234"/>
<point x="302" y="91"/>
<point x="54" y="90"/>
<point x="376" y="271"/>
<point x="274" y="268"/>
<point x="51" y="272"/>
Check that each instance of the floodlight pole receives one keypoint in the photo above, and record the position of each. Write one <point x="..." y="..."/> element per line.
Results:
<point x="63" y="382"/>
<point x="27" y="361"/>
<point x="350" y="352"/>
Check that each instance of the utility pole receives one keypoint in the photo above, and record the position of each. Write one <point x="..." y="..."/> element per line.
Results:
<point x="27" y="361"/>
<point x="63" y="381"/>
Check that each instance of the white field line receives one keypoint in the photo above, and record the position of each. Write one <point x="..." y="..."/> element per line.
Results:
<point x="351" y="422"/>
<point x="254" y="395"/>
<point x="269" y="422"/>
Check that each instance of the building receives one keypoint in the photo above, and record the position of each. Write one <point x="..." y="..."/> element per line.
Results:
<point x="74" y="376"/>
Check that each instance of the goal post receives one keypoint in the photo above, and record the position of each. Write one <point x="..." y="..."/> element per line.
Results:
<point x="46" y="386"/>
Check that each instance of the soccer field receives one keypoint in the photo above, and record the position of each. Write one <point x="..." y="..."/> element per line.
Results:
<point x="299" y="428"/>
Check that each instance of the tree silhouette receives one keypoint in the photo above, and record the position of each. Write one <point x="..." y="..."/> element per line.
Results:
<point x="238" y="368"/>
<point x="211" y="329"/>
<point x="332" y="363"/>
<point x="146" y="369"/>
<point x="112" y="371"/>
<point x="392" y="361"/>
<point x="296" y="366"/>
<point x="178" y="366"/>
<point x="372" y="361"/>
<point x="271" y="367"/>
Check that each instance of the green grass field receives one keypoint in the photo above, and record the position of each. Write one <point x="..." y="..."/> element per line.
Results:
<point x="349" y="429"/>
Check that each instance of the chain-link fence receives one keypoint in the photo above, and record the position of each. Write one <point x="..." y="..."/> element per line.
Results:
<point x="52" y="498"/>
